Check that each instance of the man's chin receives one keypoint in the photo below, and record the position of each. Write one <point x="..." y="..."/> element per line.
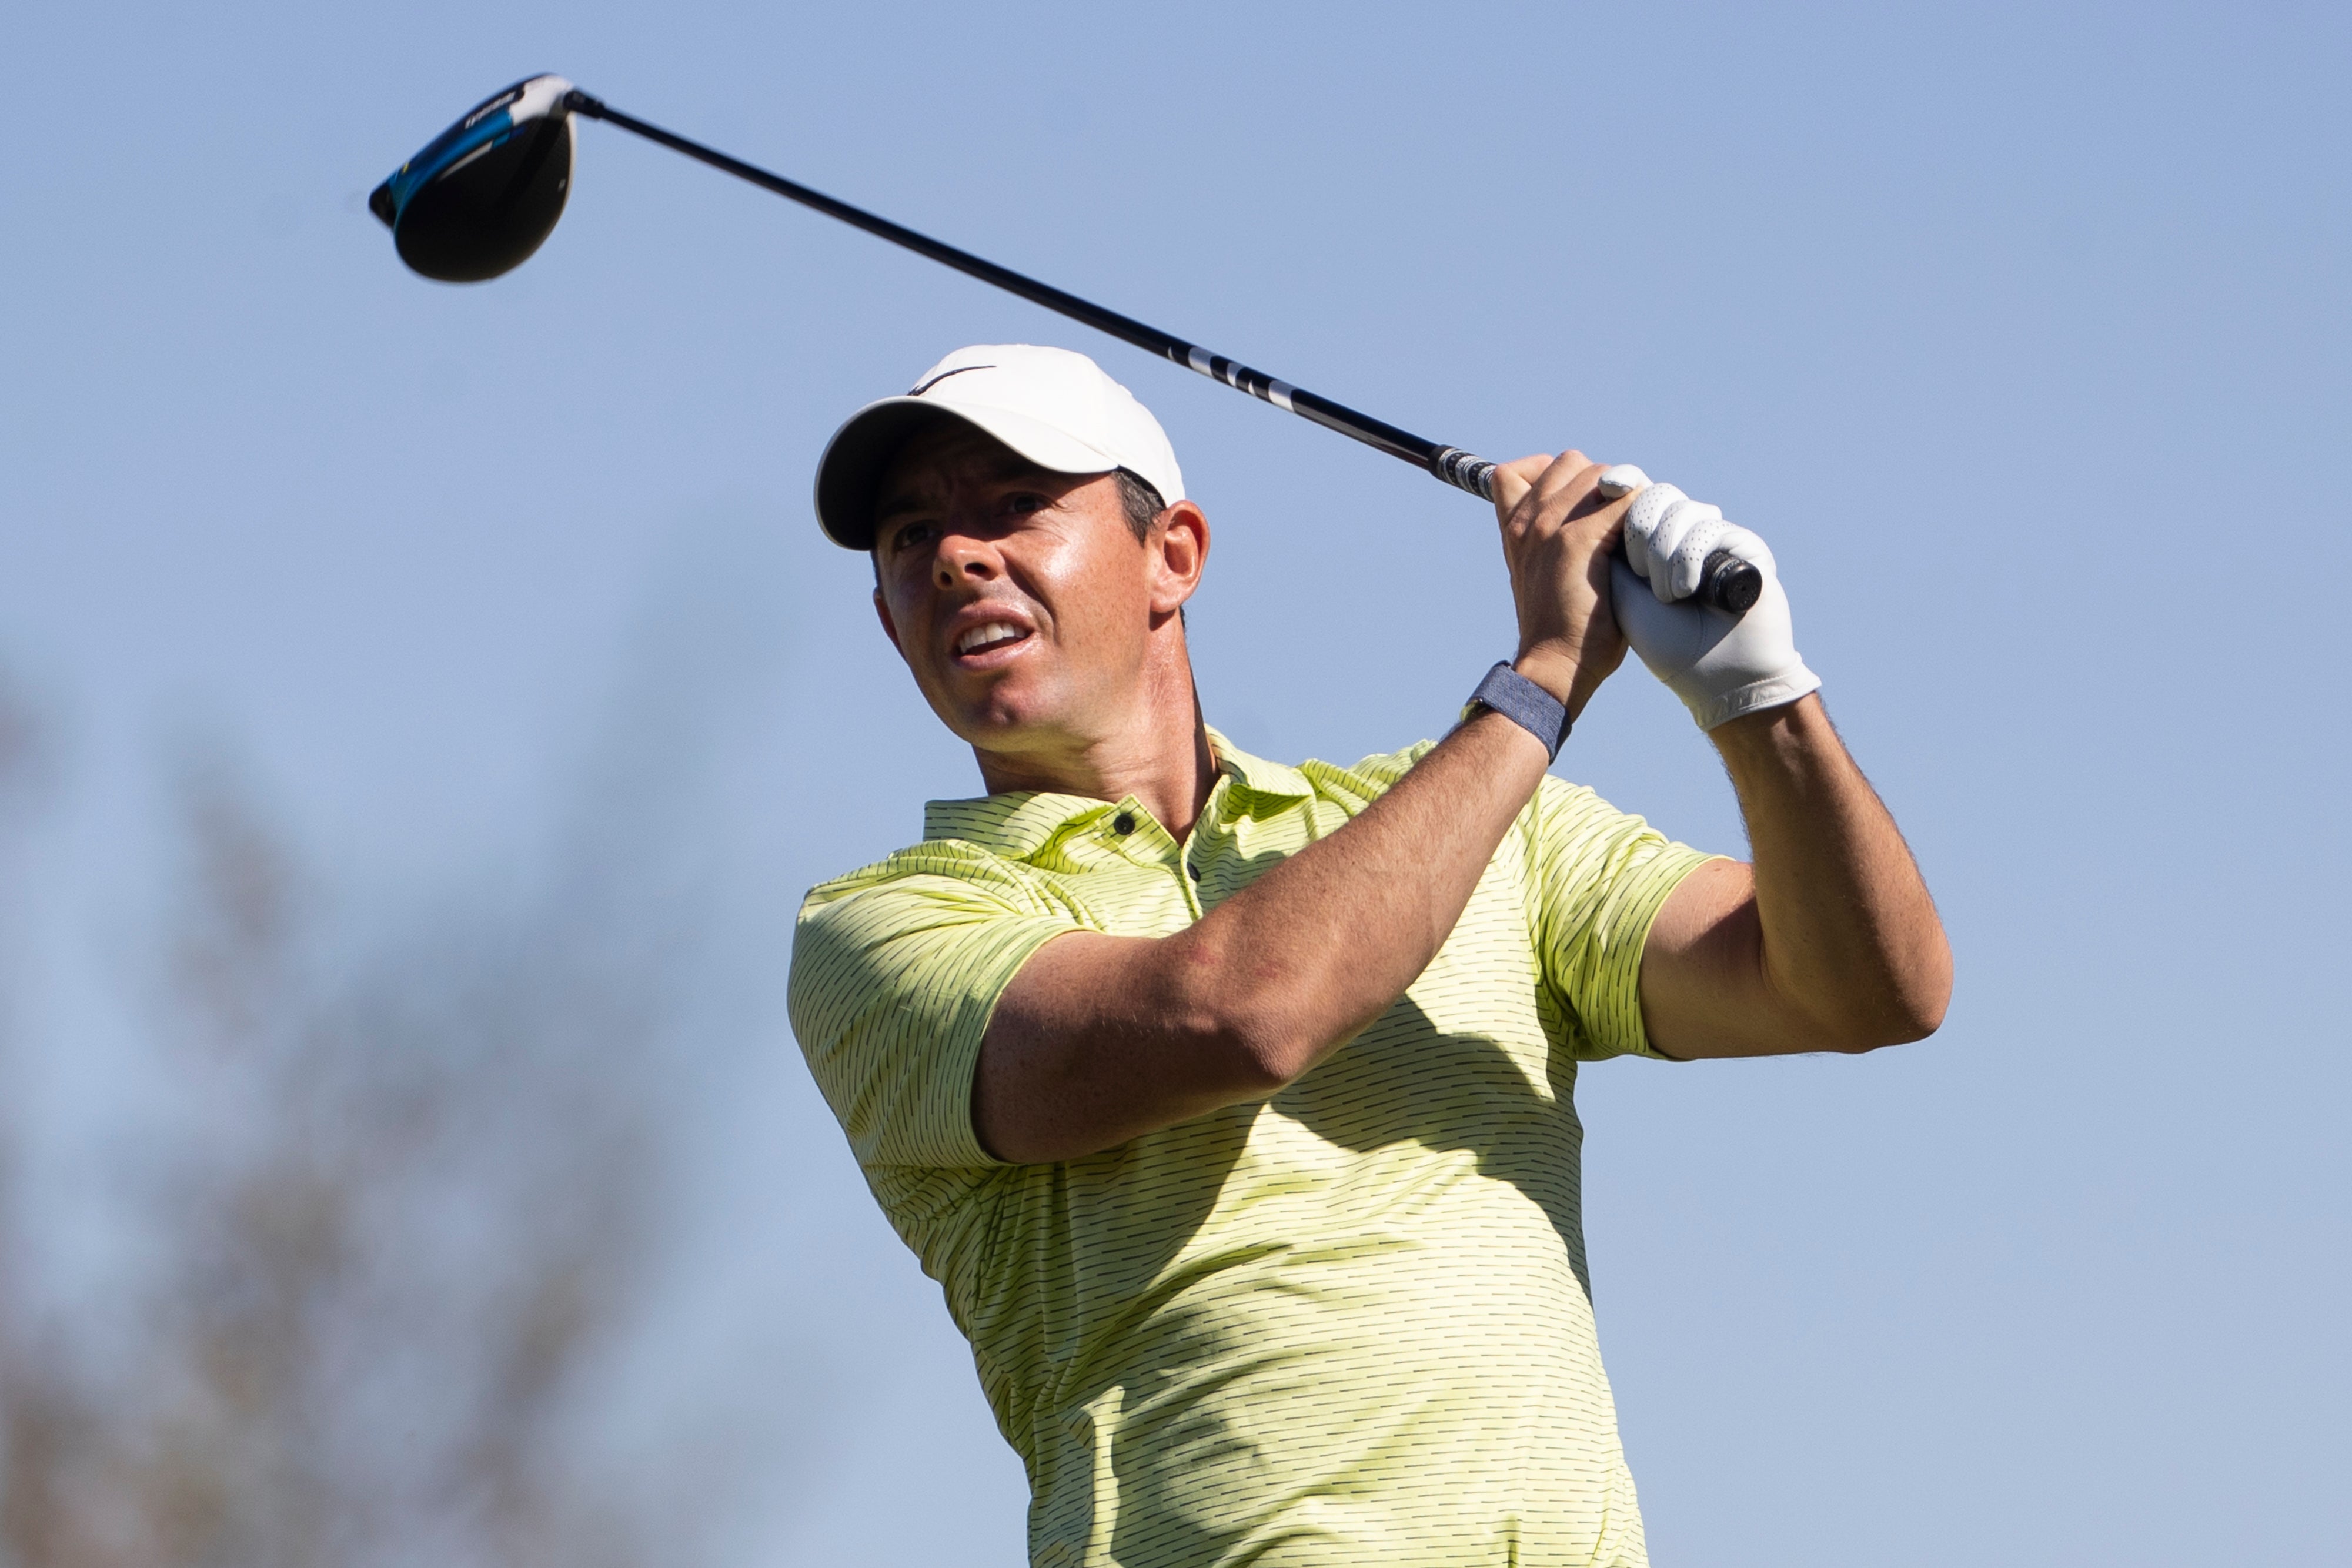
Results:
<point x="1003" y="737"/>
<point x="1005" y="719"/>
<point x="1026" y="736"/>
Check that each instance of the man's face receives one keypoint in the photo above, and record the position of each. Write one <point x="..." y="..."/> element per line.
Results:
<point x="1021" y="598"/>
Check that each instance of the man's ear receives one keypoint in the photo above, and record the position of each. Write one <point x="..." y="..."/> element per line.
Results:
<point x="888" y="630"/>
<point x="1180" y="551"/>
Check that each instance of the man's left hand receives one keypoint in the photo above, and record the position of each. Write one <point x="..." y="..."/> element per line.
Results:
<point x="1721" y="665"/>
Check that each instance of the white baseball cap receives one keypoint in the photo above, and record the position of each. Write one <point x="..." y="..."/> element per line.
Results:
<point x="1054" y="407"/>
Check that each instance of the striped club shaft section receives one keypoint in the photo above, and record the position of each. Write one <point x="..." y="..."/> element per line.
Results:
<point x="1464" y="470"/>
<point x="1237" y="375"/>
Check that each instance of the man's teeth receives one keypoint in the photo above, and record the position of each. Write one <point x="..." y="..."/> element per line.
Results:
<point x="988" y="636"/>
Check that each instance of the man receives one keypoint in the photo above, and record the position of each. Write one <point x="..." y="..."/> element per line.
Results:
<point x="1230" y="1102"/>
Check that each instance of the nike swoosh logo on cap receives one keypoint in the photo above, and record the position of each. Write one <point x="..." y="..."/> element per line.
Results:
<point x="920" y="390"/>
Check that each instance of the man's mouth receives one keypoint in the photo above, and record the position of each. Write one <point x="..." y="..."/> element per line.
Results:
<point x="988" y="636"/>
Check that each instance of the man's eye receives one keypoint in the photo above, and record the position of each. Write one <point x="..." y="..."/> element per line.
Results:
<point x="911" y="535"/>
<point x="1022" y="504"/>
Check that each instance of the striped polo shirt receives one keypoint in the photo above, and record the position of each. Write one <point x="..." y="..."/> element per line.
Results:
<point x="1345" y="1325"/>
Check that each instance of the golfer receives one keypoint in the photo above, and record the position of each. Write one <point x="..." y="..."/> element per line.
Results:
<point x="1230" y="1101"/>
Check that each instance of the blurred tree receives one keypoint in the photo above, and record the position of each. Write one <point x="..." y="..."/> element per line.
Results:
<point x="397" y="1209"/>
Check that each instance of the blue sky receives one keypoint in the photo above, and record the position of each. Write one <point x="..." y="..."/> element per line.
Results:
<point x="2021" y="332"/>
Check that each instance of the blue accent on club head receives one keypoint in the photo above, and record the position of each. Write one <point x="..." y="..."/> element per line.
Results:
<point x="459" y="146"/>
<point x="469" y="137"/>
<point x="486" y="126"/>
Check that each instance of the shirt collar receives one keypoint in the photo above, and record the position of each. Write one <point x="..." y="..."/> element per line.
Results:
<point x="1019" y="822"/>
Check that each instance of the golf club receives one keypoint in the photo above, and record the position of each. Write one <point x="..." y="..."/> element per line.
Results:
<point x="484" y="196"/>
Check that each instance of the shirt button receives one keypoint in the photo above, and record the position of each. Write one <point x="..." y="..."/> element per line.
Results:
<point x="1194" y="869"/>
<point x="1123" y="824"/>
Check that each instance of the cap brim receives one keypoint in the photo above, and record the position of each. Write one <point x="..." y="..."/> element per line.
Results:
<point x="850" y="471"/>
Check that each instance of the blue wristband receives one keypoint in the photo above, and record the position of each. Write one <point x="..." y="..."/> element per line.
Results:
<point x="1524" y="704"/>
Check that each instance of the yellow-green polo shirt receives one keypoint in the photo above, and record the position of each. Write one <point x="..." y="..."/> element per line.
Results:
<point x="1344" y="1327"/>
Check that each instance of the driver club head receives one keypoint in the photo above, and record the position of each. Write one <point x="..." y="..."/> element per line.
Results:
<point x="485" y="194"/>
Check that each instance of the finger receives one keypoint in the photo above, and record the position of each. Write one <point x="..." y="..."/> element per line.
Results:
<point x="1620" y="479"/>
<point x="1642" y="521"/>
<point x="1749" y="548"/>
<point x="1700" y="536"/>
<point x="1666" y="538"/>
<point x="1566" y="483"/>
<point x="1513" y="481"/>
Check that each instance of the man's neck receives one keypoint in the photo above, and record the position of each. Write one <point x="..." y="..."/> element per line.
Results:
<point x="1162" y="759"/>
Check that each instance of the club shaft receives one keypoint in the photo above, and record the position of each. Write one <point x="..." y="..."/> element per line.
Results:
<point x="1450" y="464"/>
<point x="1727" y="582"/>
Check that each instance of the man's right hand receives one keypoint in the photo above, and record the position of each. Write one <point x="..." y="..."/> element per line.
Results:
<point x="1559" y="534"/>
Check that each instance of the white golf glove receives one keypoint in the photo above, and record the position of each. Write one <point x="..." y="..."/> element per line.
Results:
<point x="1720" y="666"/>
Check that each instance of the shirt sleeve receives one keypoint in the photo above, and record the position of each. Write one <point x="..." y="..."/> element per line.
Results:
<point x="1599" y="877"/>
<point x="893" y="982"/>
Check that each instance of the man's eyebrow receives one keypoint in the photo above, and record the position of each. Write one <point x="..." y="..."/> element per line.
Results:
<point x="1012" y="468"/>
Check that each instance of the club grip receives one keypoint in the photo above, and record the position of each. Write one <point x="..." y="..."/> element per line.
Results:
<point x="1729" y="584"/>
<point x="1726" y="582"/>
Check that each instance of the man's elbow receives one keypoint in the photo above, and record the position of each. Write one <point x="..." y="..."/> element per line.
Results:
<point x="1910" y="1007"/>
<point x="1859" y="1040"/>
<point x="1257" y="1055"/>
<point x="1924" y="1013"/>
<point x="1247" y="1034"/>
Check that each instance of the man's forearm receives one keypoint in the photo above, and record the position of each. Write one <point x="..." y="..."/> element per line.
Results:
<point x="1324" y="942"/>
<point x="1849" y="948"/>
<point x="1101" y="1038"/>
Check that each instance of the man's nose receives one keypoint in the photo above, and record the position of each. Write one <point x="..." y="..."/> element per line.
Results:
<point x="964" y="553"/>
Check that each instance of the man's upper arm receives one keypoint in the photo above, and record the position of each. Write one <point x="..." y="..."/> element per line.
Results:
<point x="1601" y="878"/>
<point x="1703" y="987"/>
<point x="893" y="985"/>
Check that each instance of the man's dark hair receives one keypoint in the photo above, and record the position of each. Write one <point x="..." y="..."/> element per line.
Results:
<point x="1141" y="503"/>
<point x="1139" y="499"/>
